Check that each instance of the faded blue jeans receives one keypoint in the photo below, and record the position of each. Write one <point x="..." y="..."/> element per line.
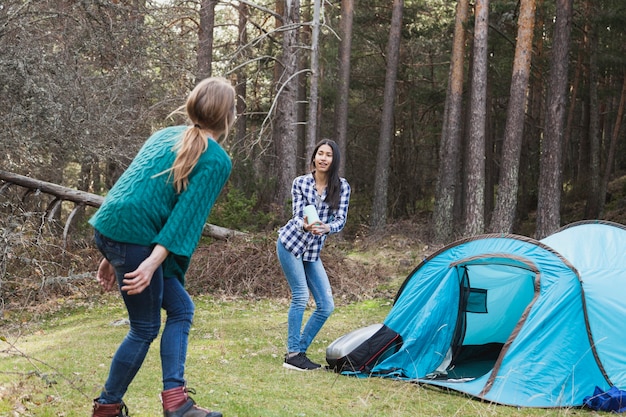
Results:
<point x="303" y="276"/>
<point x="144" y="314"/>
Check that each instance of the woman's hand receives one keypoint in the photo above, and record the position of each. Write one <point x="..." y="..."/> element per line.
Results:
<point x="320" y="228"/>
<point x="139" y="279"/>
<point x="106" y="275"/>
<point x="317" y="228"/>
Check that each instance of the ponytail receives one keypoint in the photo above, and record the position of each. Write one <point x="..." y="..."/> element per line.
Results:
<point x="210" y="106"/>
<point x="188" y="151"/>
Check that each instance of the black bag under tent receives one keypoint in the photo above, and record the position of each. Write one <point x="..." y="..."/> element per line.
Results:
<point x="362" y="349"/>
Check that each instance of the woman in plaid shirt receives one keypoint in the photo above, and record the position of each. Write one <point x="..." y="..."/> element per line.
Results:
<point x="300" y="243"/>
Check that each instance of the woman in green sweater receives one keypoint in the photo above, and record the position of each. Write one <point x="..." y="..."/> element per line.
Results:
<point x="147" y="229"/>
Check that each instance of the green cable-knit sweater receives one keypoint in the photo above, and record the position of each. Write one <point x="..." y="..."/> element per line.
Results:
<point x="143" y="207"/>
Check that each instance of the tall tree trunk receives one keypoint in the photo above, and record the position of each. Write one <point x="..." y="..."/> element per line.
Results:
<point x="475" y="198"/>
<point x="312" y="125"/>
<point x="508" y="184"/>
<point x="241" y="79"/>
<point x="550" y="170"/>
<point x="529" y="160"/>
<point x="304" y="65"/>
<point x="381" y="184"/>
<point x="490" y="152"/>
<point x="450" y="146"/>
<point x="285" y="133"/>
<point x="569" y="163"/>
<point x="205" y="38"/>
<point x="592" y="208"/>
<point x="610" y="160"/>
<point x="343" y="81"/>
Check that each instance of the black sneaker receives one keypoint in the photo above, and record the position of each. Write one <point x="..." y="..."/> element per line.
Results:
<point x="300" y="363"/>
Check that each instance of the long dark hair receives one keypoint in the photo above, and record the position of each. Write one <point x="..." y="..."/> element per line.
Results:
<point x="333" y="192"/>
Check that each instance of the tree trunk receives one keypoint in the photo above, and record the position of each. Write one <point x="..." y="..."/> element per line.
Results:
<point x="550" y="170"/>
<point x="450" y="146"/>
<point x="241" y="78"/>
<point x="381" y="184"/>
<point x="529" y="161"/>
<point x="237" y="139"/>
<point x="592" y="208"/>
<point x="508" y="184"/>
<point x="205" y="39"/>
<point x="475" y="198"/>
<point x="312" y="125"/>
<point x="343" y="81"/>
<point x="491" y="171"/>
<point x="610" y="160"/>
<point x="285" y="133"/>
<point x="569" y="163"/>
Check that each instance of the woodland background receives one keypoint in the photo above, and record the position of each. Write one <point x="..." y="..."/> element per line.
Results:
<point x="461" y="118"/>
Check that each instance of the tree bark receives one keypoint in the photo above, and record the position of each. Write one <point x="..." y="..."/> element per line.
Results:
<point x="450" y="146"/>
<point x="241" y="78"/>
<point x="475" y="198"/>
<point x="594" y="203"/>
<point x="285" y="133"/>
<point x="381" y="184"/>
<point x="508" y="184"/>
<point x="570" y="167"/>
<point x="343" y="81"/>
<point x="529" y="160"/>
<point x="205" y="39"/>
<point x="610" y="160"/>
<point x="312" y="125"/>
<point x="550" y="170"/>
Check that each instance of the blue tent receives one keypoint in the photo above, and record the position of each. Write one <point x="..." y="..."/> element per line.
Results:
<point x="516" y="321"/>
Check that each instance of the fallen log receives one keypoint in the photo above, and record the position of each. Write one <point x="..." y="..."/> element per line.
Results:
<point x="82" y="198"/>
<point x="63" y="193"/>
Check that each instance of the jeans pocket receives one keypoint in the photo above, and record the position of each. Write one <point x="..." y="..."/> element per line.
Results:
<point x="113" y="251"/>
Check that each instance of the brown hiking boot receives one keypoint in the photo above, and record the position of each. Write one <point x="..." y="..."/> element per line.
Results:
<point x="176" y="403"/>
<point x="109" y="410"/>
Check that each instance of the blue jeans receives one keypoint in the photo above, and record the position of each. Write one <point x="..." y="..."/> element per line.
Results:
<point x="144" y="314"/>
<point x="303" y="276"/>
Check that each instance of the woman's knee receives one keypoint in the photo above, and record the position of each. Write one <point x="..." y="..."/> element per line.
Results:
<point x="326" y="307"/>
<point x="176" y="301"/>
<point x="145" y="331"/>
<point x="300" y="298"/>
<point x="183" y="311"/>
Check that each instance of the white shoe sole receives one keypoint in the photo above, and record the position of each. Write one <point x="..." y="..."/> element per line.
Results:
<point x="295" y="368"/>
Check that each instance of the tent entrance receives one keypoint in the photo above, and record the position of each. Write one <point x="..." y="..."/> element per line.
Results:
<point x="474" y="361"/>
<point x="494" y="293"/>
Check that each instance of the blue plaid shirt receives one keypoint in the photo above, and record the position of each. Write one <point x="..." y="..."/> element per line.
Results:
<point x="300" y="242"/>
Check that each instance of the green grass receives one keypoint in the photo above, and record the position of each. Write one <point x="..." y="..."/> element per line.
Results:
<point x="55" y="367"/>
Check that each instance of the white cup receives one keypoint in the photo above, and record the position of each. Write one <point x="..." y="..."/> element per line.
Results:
<point x="310" y="212"/>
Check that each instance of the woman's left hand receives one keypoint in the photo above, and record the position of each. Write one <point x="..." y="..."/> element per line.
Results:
<point x="320" y="229"/>
<point x="139" y="279"/>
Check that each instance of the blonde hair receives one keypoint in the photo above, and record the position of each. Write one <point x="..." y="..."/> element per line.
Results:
<point x="210" y="106"/>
